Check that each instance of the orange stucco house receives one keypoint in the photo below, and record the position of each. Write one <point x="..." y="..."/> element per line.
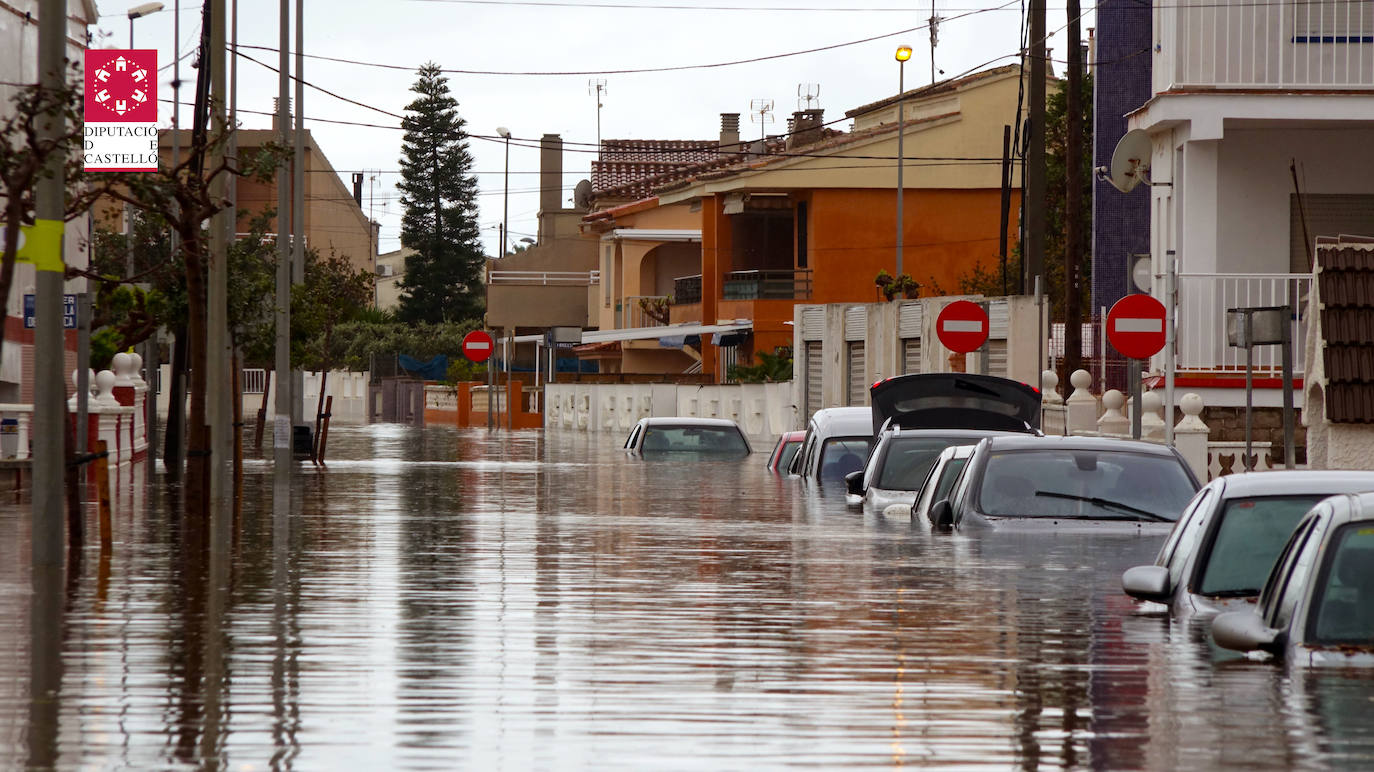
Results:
<point x="744" y="236"/>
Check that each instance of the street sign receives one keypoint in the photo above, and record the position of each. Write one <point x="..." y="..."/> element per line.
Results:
<point x="68" y="312"/>
<point x="1135" y="326"/>
<point x="962" y="326"/>
<point x="478" y="345"/>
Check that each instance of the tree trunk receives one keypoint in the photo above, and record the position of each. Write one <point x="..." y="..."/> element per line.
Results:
<point x="172" y="451"/>
<point x="319" y="411"/>
<point x="197" y="431"/>
<point x="1073" y="199"/>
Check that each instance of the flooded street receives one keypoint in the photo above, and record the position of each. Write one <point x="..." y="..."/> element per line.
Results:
<point x="441" y="599"/>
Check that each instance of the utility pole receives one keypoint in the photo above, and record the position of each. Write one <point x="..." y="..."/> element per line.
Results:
<point x="1033" y="250"/>
<point x="298" y="206"/>
<point x="1073" y="199"/>
<point x="934" y="41"/>
<point x="217" y="343"/>
<point x="50" y="402"/>
<point x="281" y="428"/>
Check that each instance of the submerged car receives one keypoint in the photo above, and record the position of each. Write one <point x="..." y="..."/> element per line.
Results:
<point x="940" y="481"/>
<point x="837" y="442"/>
<point x="917" y="416"/>
<point x="699" y="436"/>
<point x="781" y="457"/>
<point x="1013" y="481"/>
<point x="1317" y="606"/>
<point x="1220" y="552"/>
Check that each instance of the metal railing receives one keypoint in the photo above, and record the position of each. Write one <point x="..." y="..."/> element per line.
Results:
<point x="768" y="285"/>
<point x="636" y="316"/>
<point x="1244" y="44"/>
<point x="546" y="278"/>
<point x="687" y="289"/>
<point x="254" y="380"/>
<point x="1203" y="299"/>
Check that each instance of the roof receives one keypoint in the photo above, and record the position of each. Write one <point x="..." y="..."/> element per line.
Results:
<point x="1345" y="284"/>
<point x="935" y="89"/>
<point x="624" y="164"/>
<point x="1294" y="482"/>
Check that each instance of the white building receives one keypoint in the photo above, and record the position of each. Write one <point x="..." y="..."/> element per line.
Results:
<point x="1244" y="95"/>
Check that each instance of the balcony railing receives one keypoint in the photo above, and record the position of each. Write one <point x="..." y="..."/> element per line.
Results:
<point x="546" y="278"/>
<point x="1244" y="44"/>
<point x="636" y="316"/>
<point x="1203" y="299"/>
<point x="687" y="289"/>
<point x="767" y="285"/>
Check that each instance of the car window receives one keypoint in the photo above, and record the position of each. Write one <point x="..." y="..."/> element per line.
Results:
<point x="948" y="475"/>
<point x="1086" y="483"/>
<point x="693" y="439"/>
<point x="1183" y="538"/>
<point x="788" y="451"/>
<point x="1284" y="564"/>
<point x="908" y="460"/>
<point x="1294" y="583"/>
<point x="630" y="441"/>
<point x="1345" y="592"/>
<point x="842" y="455"/>
<point x="807" y="454"/>
<point x="1248" y="536"/>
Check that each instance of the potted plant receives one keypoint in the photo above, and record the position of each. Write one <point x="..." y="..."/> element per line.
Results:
<point x="884" y="282"/>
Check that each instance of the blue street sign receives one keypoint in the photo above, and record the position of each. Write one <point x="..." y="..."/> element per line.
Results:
<point x="68" y="311"/>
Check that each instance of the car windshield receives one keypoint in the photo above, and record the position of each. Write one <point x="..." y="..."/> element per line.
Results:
<point x="693" y="439"/>
<point x="1249" y="537"/>
<point x="1100" y="484"/>
<point x="1345" y="606"/>
<point x="907" y="461"/>
<point x="789" y="449"/>
<point x="842" y="455"/>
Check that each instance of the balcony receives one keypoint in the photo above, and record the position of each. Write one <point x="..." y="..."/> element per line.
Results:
<point x="1291" y="44"/>
<point x="546" y="278"/>
<point x="635" y="314"/>
<point x="767" y="285"/>
<point x="687" y="290"/>
<point x="1202" y="302"/>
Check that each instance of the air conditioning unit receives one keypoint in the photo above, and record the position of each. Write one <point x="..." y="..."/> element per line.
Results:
<point x="385" y="270"/>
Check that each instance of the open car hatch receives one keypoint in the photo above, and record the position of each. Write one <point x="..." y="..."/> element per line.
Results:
<point x="955" y="401"/>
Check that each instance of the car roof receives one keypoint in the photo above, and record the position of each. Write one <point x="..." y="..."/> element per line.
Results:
<point x="1030" y="442"/>
<point x="844" y="421"/>
<point x="971" y="434"/>
<point x="687" y="421"/>
<point x="1295" y="482"/>
<point x="796" y="435"/>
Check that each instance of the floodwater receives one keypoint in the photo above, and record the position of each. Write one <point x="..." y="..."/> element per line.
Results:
<point x="444" y="599"/>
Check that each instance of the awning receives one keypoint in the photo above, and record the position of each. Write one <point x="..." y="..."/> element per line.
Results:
<point x="678" y="341"/>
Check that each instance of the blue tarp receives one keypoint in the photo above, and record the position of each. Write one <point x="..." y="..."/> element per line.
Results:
<point x="435" y="369"/>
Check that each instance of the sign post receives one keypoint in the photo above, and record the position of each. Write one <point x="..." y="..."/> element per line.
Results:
<point x="478" y="346"/>
<point x="1135" y="328"/>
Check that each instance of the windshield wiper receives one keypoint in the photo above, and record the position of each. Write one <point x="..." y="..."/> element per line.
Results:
<point x="1101" y="502"/>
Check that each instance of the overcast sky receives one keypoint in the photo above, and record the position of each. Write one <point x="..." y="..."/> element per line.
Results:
<point x="564" y="36"/>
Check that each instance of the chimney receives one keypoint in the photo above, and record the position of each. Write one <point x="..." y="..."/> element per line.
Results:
<point x="551" y="173"/>
<point x="358" y="188"/>
<point x="729" y="132"/>
<point x="806" y="127"/>
<point x="276" y="103"/>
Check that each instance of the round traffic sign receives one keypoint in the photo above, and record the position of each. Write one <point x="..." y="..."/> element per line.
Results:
<point x="478" y="345"/>
<point x="1135" y="326"/>
<point x="962" y="326"/>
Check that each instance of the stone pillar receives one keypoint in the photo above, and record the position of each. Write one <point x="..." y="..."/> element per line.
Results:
<point x="1082" y="405"/>
<point x="92" y="418"/>
<point x="1051" y="404"/>
<point x="109" y="425"/>
<point x="1113" y="420"/>
<point x="1190" y="435"/>
<point x="124" y="394"/>
<point x="1151" y="424"/>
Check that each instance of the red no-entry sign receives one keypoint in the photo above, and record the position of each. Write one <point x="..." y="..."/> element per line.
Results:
<point x="1135" y="326"/>
<point x="962" y="326"/>
<point x="477" y="346"/>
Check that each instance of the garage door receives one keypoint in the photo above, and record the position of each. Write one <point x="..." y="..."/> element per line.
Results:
<point x="858" y="381"/>
<point x="911" y="355"/>
<point x="813" y="377"/>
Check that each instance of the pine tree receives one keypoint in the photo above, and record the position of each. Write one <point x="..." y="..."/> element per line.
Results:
<point x="443" y="279"/>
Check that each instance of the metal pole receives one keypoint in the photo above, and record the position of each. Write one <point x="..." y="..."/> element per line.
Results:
<point x="1102" y="349"/>
<point x="505" y="203"/>
<point x="83" y="372"/>
<point x="1137" y="396"/>
<point x="1170" y="337"/>
<point x="1040" y="334"/>
<point x="1034" y="174"/>
<point x="1289" y="462"/>
<point x="281" y="429"/>
<point x="50" y="402"/>
<point x="491" y="390"/>
<point x="901" y="134"/>
<point x="1249" y="386"/>
<point x="298" y="203"/>
<point x="984" y="349"/>
<point x="217" y="365"/>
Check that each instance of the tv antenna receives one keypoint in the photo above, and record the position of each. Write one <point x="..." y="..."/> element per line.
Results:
<point x="808" y="94"/>
<point x="934" y="41"/>
<point x="761" y="112"/>
<point x="597" y="87"/>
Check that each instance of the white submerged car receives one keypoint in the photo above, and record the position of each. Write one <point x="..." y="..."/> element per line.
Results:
<point x="704" y="437"/>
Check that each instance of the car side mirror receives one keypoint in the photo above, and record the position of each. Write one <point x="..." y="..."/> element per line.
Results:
<point x="854" y="483"/>
<point x="1245" y="631"/>
<point x="942" y="515"/>
<point x="1147" y="583"/>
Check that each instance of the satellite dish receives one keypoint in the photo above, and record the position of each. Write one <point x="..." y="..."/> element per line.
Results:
<point x="1130" y="161"/>
<point x="582" y="195"/>
<point x="1142" y="273"/>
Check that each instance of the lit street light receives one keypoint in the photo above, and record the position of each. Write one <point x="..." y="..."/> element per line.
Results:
<point x="903" y="54"/>
<point x="138" y="12"/>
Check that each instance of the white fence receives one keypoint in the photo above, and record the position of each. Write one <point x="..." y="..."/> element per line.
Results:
<point x="763" y="410"/>
<point x="1203" y="299"/>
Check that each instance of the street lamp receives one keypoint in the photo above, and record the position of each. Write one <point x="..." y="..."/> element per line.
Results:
<point x="903" y="54"/>
<point x="140" y="11"/>
<point x="505" y="194"/>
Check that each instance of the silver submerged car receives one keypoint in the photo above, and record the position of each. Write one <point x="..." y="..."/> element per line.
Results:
<point x="1220" y="552"/>
<point x="837" y="442"/>
<point x="943" y="475"/>
<point x="1317" y="606"/>
<point x="917" y="416"/>
<point x="705" y="437"/>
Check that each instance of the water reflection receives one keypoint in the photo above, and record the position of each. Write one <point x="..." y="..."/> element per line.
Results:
<point x="440" y="598"/>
